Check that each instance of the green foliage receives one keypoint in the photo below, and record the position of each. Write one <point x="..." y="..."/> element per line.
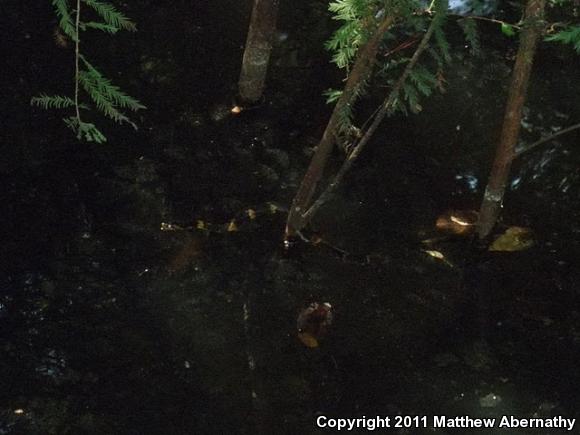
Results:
<point x="411" y="96"/>
<point x="332" y="95"/>
<point x="441" y="7"/>
<point x="345" y="43"/>
<point x="348" y="10"/>
<point x="421" y="83"/>
<point x="568" y="35"/>
<point x="345" y="122"/>
<point x="469" y="27"/>
<point x="360" y="18"/>
<point x="65" y="22"/>
<point x="99" y="26"/>
<point x="423" y="80"/>
<point x="442" y="44"/>
<point x="111" y="15"/>
<point x="106" y="97"/>
<point x="507" y="29"/>
<point x="85" y="130"/>
<point x="347" y="114"/>
<point x="52" y="102"/>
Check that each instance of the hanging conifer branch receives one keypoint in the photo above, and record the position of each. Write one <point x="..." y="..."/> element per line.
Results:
<point x="65" y="19"/>
<point x="107" y="97"/>
<point x="112" y="17"/>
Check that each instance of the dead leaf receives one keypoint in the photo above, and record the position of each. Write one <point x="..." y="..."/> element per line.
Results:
<point x="273" y="208"/>
<point x="308" y="340"/>
<point x="439" y="256"/>
<point x="313" y="322"/>
<point x="513" y="239"/>
<point x="232" y="226"/>
<point x="459" y="222"/>
<point x="435" y="254"/>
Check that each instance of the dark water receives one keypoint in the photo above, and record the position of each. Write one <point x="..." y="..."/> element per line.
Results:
<point x="111" y="326"/>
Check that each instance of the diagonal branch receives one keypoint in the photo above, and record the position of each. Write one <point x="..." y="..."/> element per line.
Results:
<point x="385" y="108"/>
<point x="546" y="139"/>
<point x="360" y="72"/>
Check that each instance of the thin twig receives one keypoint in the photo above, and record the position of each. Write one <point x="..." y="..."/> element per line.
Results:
<point x="402" y="46"/>
<point x="546" y="139"/>
<point x="385" y="107"/>
<point x="491" y="20"/>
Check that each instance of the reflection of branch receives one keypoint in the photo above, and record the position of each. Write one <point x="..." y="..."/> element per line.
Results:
<point x="251" y="360"/>
<point x="547" y="139"/>
<point x="491" y="20"/>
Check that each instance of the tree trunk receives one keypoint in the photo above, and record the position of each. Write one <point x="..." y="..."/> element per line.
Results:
<point x="257" y="51"/>
<point x="360" y="71"/>
<point x="505" y="152"/>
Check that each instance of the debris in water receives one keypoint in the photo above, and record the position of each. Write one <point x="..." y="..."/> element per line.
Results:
<point x="170" y="227"/>
<point x="514" y="239"/>
<point x="439" y="256"/>
<point x="459" y="222"/>
<point x="232" y="226"/>
<point x="313" y="322"/>
<point x="435" y="254"/>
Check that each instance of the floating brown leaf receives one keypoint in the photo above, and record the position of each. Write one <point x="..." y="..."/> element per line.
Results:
<point x="308" y="340"/>
<point x="313" y="322"/>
